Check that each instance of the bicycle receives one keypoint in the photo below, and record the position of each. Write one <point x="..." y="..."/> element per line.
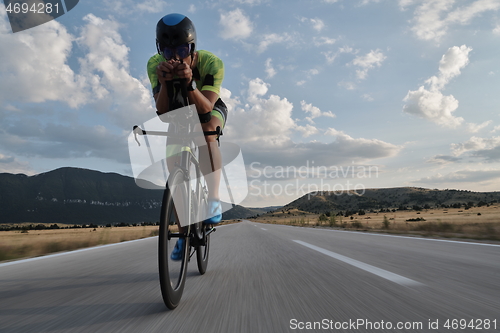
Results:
<point x="185" y="198"/>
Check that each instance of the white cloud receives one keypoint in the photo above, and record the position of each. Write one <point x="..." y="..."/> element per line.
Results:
<point x="444" y="159"/>
<point x="37" y="62"/>
<point x="271" y="72"/>
<point x="486" y="149"/>
<point x="152" y="6"/>
<point x="403" y="4"/>
<point x="367" y="97"/>
<point x="6" y="159"/>
<point x="106" y="66"/>
<point x="307" y="130"/>
<point x="314" y="111"/>
<point x="235" y="25"/>
<point x="369" y="61"/>
<point x="365" y="148"/>
<point x="263" y="126"/>
<point x="464" y="15"/>
<point x="308" y="75"/>
<point x="251" y="2"/>
<point x="318" y="24"/>
<point x="347" y="85"/>
<point x="35" y="68"/>
<point x="320" y="41"/>
<point x="261" y="121"/>
<point x="331" y="56"/>
<point x="192" y="8"/>
<point x="462" y="176"/>
<point x="10" y="164"/>
<point x="475" y="145"/>
<point x="434" y="106"/>
<point x="428" y="22"/>
<point x="430" y="103"/>
<point x="269" y="39"/>
<point x="474" y="128"/>
<point x="131" y="7"/>
<point x="30" y="137"/>
<point x="313" y="71"/>
<point x="103" y="84"/>
<point x="347" y="49"/>
<point x="450" y="65"/>
<point x="366" y="2"/>
<point x="496" y="30"/>
<point x="434" y="17"/>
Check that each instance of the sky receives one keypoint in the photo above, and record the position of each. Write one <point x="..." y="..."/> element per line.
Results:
<point x="322" y="94"/>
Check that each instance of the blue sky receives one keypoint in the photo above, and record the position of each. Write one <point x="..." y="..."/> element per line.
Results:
<point x="406" y="87"/>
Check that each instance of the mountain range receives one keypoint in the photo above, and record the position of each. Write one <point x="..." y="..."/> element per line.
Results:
<point x="390" y="198"/>
<point x="82" y="196"/>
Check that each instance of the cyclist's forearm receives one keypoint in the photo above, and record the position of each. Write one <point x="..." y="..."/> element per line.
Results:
<point x="202" y="102"/>
<point x="162" y="100"/>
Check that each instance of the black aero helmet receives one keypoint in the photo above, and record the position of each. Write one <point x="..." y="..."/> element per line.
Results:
<point x="174" y="30"/>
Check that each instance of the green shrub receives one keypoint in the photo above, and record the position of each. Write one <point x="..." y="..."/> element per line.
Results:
<point x="357" y="225"/>
<point x="333" y="220"/>
<point x="386" y="224"/>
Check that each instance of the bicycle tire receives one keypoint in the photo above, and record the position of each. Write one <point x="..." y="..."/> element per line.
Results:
<point x="199" y="209"/>
<point x="202" y="252"/>
<point x="172" y="274"/>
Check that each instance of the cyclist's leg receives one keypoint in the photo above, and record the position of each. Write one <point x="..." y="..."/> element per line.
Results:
<point x="211" y="162"/>
<point x="174" y="148"/>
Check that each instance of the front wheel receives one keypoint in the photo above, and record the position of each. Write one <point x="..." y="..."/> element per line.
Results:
<point x="173" y="273"/>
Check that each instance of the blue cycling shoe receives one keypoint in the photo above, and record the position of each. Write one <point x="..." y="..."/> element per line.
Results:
<point x="214" y="211"/>
<point x="178" y="249"/>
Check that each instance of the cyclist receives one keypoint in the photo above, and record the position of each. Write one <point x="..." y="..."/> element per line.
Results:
<point x="177" y="57"/>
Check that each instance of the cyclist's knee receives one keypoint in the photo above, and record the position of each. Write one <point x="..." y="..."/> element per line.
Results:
<point x="211" y="126"/>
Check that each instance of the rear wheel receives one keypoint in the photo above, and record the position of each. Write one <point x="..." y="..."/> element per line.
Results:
<point x="173" y="273"/>
<point x="202" y="250"/>
<point x="200" y="230"/>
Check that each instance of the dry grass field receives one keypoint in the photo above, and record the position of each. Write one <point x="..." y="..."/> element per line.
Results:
<point x="15" y="244"/>
<point x="474" y="223"/>
<point x="481" y="223"/>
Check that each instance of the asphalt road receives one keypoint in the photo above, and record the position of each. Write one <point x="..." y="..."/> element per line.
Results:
<point x="262" y="278"/>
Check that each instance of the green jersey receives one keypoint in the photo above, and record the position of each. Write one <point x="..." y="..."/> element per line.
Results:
<point x="208" y="73"/>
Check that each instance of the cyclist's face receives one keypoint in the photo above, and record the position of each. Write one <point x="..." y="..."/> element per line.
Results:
<point x="179" y="52"/>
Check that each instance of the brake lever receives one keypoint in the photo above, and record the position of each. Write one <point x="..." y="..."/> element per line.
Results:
<point x="135" y="134"/>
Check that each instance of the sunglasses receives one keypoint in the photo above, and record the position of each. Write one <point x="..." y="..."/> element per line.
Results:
<point x="181" y="51"/>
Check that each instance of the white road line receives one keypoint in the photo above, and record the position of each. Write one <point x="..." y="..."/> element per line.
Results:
<point x="369" y="268"/>
<point x="263" y="229"/>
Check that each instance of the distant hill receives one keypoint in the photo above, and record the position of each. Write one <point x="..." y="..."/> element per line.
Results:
<point x="390" y="198"/>
<point x="240" y="212"/>
<point x="82" y="196"/>
<point x="73" y="195"/>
